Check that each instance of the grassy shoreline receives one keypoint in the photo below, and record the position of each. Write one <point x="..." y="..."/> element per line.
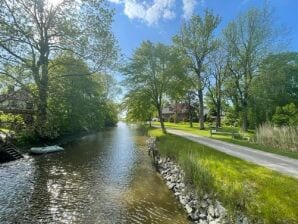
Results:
<point x="228" y="138"/>
<point x="263" y="195"/>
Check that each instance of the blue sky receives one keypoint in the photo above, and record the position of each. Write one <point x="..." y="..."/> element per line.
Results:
<point x="158" y="20"/>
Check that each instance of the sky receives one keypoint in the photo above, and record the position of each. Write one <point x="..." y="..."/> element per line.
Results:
<point x="158" y="20"/>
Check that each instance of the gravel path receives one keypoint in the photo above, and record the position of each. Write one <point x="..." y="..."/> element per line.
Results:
<point x="272" y="161"/>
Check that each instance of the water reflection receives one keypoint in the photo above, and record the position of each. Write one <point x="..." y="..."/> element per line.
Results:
<point x="102" y="178"/>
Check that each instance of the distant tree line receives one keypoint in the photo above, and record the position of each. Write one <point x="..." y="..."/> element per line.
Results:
<point x="241" y="72"/>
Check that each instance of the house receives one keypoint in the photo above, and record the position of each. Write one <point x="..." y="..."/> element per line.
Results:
<point x="179" y="111"/>
<point x="17" y="102"/>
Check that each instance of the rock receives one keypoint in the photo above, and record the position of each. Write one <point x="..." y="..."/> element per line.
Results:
<point x="204" y="211"/>
<point x="204" y="204"/>
<point x="188" y="209"/>
<point x="195" y="215"/>
<point x="177" y="194"/>
<point x="213" y="222"/>
<point x="209" y="218"/>
<point x="221" y="210"/>
<point x="202" y="216"/>
<point x="211" y="211"/>
<point x="182" y="200"/>
<point x="170" y="185"/>
<point x="187" y="198"/>
<point x="216" y="213"/>
<point x="244" y="220"/>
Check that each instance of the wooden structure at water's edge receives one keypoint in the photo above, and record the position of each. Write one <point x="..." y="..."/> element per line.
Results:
<point x="9" y="152"/>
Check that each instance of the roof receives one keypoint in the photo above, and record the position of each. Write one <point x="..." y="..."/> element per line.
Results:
<point x="18" y="95"/>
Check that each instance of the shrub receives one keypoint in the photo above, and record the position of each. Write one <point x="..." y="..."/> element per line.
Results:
<point x="284" y="137"/>
<point x="286" y="115"/>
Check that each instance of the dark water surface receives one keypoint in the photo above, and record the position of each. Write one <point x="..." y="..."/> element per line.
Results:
<point x="102" y="178"/>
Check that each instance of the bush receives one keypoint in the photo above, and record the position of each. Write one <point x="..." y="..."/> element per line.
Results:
<point x="286" y="115"/>
<point x="284" y="137"/>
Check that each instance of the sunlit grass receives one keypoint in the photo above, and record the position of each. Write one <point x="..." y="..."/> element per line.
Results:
<point x="4" y="130"/>
<point x="259" y="192"/>
<point x="229" y="139"/>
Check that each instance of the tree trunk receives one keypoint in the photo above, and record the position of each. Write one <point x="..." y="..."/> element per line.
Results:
<point x="161" y="119"/>
<point x="201" y="109"/>
<point x="218" y="113"/>
<point x="176" y="113"/>
<point x="190" y="120"/>
<point x="41" y="116"/>
<point x="244" y="120"/>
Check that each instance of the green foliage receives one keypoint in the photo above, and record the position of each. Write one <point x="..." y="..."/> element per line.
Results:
<point x="248" y="40"/>
<point x="286" y="115"/>
<point x="276" y="85"/>
<point x="195" y="42"/>
<point x="32" y="33"/>
<point x="11" y="121"/>
<point x="150" y="73"/>
<point x="77" y="100"/>
<point x="139" y="106"/>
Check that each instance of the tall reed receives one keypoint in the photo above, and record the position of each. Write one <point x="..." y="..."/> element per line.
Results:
<point x="285" y="137"/>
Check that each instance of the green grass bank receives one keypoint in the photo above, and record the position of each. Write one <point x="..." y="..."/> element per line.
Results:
<point x="265" y="196"/>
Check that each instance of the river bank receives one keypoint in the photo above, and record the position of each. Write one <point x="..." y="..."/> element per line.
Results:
<point x="244" y="189"/>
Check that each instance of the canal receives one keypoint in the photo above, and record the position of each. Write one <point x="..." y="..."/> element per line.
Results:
<point x="101" y="178"/>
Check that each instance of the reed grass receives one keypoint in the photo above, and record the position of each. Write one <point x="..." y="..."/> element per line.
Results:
<point x="285" y="137"/>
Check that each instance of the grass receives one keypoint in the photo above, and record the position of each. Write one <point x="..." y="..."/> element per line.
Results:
<point x="4" y="130"/>
<point x="265" y="196"/>
<point x="229" y="139"/>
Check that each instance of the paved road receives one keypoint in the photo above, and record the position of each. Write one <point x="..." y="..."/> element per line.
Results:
<point x="272" y="161"/>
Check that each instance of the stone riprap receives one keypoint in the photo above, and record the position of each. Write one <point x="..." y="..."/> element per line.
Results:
<point x="203" y="211"/>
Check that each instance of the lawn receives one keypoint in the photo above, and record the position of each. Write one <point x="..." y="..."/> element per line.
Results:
<point x="228" y="138"/>
<point x="265" y="196"/>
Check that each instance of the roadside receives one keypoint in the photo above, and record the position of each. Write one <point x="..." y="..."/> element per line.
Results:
<point x="264" y="195"/>
<point x="228" y="138"/>
<point x="272" y="161"/>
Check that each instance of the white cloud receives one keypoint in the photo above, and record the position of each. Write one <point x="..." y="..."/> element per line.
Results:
<point x="156" y="10"/>
<point x="188" y="8"/>
<point x="116" y="1"/>
<point x="150" y="13"/>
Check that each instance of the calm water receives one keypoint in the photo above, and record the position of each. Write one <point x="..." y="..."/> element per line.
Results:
<point x="102" y="178"/>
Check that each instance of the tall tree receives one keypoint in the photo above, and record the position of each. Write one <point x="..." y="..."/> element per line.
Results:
<point x="32" y="32"/>
<point x="281" y="72"/>
<point x="152" y="69"/>
<point x="217" y="70"/>
<point x="77" y="101"/>
<point x="196" y="41"/>
<point x="248" y="40"/>
<point x="139" y="106"/>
